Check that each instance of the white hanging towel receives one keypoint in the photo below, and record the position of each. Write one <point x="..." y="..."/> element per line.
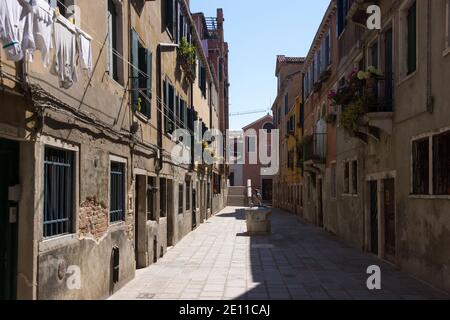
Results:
<point x="43" y="20"/>
<point x="28" y="42"/>
<point x="65" y="53"/>
<point x="85" y="50"/>
<point x="11" y="29"/>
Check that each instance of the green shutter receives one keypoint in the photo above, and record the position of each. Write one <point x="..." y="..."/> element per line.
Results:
<point x="148" y="104"/>
<point x="135" y="70"/>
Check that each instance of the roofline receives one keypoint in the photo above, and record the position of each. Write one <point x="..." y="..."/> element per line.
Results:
<point x="256" y="121"/>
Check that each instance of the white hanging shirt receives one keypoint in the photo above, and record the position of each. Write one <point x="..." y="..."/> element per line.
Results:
<point x="85" y="50"/>
<point x="65" y="53"/>
<point x="43" y="20"/>
<point x="11" y="28"/>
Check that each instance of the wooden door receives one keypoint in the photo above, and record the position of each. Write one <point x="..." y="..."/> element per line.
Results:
<point x="373" y="186"/>
<point x="9" y="173"/>
<point x="389" y="219"/>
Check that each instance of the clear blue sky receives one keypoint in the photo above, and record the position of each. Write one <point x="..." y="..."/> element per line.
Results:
<point x="257" y="31"/>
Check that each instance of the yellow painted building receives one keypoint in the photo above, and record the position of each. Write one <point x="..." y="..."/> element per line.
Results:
<point x="287" y="112"/>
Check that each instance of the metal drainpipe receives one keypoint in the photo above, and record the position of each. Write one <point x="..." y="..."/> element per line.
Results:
<point x="430" y="98"/>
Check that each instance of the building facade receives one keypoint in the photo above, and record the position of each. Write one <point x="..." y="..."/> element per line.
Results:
<point x="376" y="132"/>
<point x="287" y="110"/>
<point x="93" y="191"/>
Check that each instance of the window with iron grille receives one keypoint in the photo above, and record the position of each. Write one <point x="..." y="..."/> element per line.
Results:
<point x="441" y="164"/>
<point x="188" y="195"/>
<point x="117" y="192"/>
<point x="151" y="185"/>
<point x="180" y="198"/>
<point x="354" y="177"/>
<point x="347" y="177"/>
<point x="163" y="197"/>
<point x="421" y="164"/>
<point x="217" y="188"/>
<point x="58" y="192"/>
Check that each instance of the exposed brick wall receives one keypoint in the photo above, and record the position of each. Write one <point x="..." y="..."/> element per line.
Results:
<point x="93" y="219"/>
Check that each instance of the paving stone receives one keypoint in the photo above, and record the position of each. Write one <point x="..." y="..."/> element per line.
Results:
<point x="298" y="261"/>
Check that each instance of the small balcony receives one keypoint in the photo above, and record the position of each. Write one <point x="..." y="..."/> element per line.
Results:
<point x="379" y="104"/>
<point x="315" y="149"/>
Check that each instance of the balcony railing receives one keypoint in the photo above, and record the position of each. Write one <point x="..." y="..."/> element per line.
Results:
<point x="315" y="149"/>
<point x="379" y="94"/>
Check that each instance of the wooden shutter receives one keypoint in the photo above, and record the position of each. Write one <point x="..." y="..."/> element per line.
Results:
<point x="135" y="70"/>
<point x="149" y="83"/>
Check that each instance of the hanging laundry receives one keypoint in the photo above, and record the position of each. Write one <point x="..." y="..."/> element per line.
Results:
<point x="27" y="15"/>
<point x="85" y="50"/>
<point x="65" y="53"/>
<point x="11" y="28"/>
<point x="43" y="29"/>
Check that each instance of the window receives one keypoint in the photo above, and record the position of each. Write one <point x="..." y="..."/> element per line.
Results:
<point x="412" y="38"/>
<point x="170" y="16"/>
<point x="251" y="144"/>
<point x="342" y="11"/>
<point x="217" y="188"/>
<point x="202" y="79"/>
<point x="333" y="191"/>
<point x="117" y="192"/>
<point x="114" y="41"/>
<point x="374" y="55"/>
<point x="141" y="60"/>
<point x="151" y="185"/>
<point x="268" y="127"/>
<point x="354" y="177"/>
<point x="188" y="195"/>
<point x="438" y="168"/>
<point x="169" y="107"/>
<point x="183" y="110"/>
<point x="441" y="164"/>
<point x="163" y="197"/>
<point x="421" y="164"/>
<point x="58" y="192"/>
<point x="291" y="126"/>
<point x="347" y="177"/>
<point x="180" y="198"/>
<point x="408" y="18"/>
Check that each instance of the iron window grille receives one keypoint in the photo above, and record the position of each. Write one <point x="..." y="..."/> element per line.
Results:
<point x="117" y="192"/>
<point x="58" y="192"/>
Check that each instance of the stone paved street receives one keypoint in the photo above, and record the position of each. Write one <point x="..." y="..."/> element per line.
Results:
<point x="298" y="261"/>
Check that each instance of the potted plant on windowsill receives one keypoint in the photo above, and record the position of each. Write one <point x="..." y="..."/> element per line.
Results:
<point x="352" y="116"/>
<point x="186" y="59"/>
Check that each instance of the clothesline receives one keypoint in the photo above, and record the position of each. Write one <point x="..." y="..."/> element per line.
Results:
<point x="167" y="111"/>
<point x="140" y="72"/>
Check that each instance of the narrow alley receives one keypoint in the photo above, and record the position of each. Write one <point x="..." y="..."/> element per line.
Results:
<point x="298" y="261"/>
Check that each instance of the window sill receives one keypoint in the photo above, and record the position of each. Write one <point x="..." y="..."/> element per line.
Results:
<point x="116" y="226"/>
<point x="350" y="195"/>
<point x="55" y="243"/>
<point x="114" y="81"/>
<point x="446" y="52"/>
<point x="429" y="197"/>
<point x="406" y="78"/>
<point x="142" y="117"/>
